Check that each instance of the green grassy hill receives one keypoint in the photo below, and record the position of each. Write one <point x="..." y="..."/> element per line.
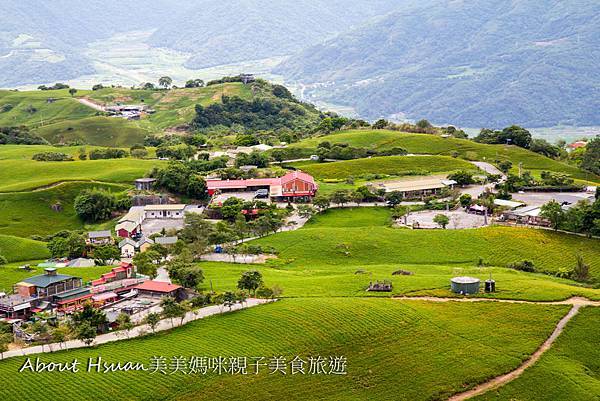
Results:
<point x="100" y="131"/>
<point x="438" y="348"/>
<point x="568" y="371"/>
<point x="19" y="173"/>
<point x="391" y="165"/>
<point x="65" y="107"/>
<point x="29" y="213"/>
<point x="66" y="120"/>
<point x="339" y="252"/>
<point x="436" y="145"/>
<point x="497" y="246"/>
<point x="16" y="249"/>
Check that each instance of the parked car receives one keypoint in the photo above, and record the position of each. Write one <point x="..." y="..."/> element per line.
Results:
<point x="262" y="194"/>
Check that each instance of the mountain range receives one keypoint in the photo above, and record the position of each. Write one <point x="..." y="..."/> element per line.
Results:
<point x="471" y="63"/>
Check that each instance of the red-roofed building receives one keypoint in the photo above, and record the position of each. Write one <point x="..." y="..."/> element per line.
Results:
<point x="294" y="186"/>
<point x="161" y="289"/>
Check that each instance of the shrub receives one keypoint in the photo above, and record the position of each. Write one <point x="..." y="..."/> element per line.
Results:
<point x="525" y="266"/>
<point x="52" y="157"/>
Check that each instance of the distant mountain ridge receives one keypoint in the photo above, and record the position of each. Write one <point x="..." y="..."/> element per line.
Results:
<point x="473" y="63"/>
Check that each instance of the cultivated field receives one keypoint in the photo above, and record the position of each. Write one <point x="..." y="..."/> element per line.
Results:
<point x="436" y="145"/>
<point x="568" y="371"/>
<point x="440" y="350"/>
<point x="30" y="213"/>
<point x="15" y="249"/>
<point x="19" y="173"/>
<point x="391" y="165"/>
<point x="496" y="246"/>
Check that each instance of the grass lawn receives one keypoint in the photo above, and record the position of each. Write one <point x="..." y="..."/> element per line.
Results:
<point x="391" y="165"/>
<point x="395" y="350"/>
<point x="23" y="175"/>
<point x="29" y="213"/>
<point x="325" y="244"/>
<point x="570" y="370"/>
<point x="16" y="249"/>
<point x="10" y="274"/>
<point x="100" y="131"/>
<point x="63" y="108"/>
<point x="436" y="145"/>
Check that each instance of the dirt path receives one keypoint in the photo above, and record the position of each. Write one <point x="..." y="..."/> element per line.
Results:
<point x="89" y="103"/>
<point x="498" y="381"/>
<point x="142" y="330"/>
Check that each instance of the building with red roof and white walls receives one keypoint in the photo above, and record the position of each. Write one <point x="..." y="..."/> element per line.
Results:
<point x="295" y="186"/>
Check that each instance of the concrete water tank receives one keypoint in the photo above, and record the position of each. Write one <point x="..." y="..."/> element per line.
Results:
<point x="465" y="285"/>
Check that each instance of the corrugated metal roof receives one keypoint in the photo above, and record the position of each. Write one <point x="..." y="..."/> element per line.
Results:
<point x="45" y="280"/>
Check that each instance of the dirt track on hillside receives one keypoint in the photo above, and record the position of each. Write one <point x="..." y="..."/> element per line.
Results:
<point x="498" y="381"/>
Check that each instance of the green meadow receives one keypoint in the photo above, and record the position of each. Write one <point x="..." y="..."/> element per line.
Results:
<point x="402" y="350"/>
<point x="570" y="370"/>
<point x="101" y="131"/>
<point x="436" y="145"/>
<point x="23" y="175"/>
<point x="16" y="249"/>
<point x="30" y="213"/>
<point x="330" y="244"/>
<point x="64" y="107"/>
<point x="391" y="165"/>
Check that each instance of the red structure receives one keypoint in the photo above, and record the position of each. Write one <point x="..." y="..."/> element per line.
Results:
<point x="124" y="271"/>
<point x="296" y="185"/>
<point x="161" y="289"/>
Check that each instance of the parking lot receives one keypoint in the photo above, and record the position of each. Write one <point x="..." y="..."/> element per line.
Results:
<point x="459" y="219"/>
<point x="152" y="226"/>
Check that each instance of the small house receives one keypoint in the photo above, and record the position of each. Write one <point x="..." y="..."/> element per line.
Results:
<point x="166" y="241"/>
<point x="164" y="211"/>
<point x="127" y="247"/>
<point x="159" y="289"/>
<point x="47" y="285"/>
<point x="99" y="237"/>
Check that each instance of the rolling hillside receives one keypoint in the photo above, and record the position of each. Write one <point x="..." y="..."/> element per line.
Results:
<point x="391" y="165"/>
<point x="379" y="338"/>
<point x="436" y="145"/>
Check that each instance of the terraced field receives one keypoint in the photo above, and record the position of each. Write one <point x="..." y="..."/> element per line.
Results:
<point x="436" y="145"/>
<point x="440" y="350"/>
<point x="568" y="371"/>
<point x="320" y="244"/>
<point x="30" y="213"/>
<point x="392" y="165"/>
<point x="16" y="249"/>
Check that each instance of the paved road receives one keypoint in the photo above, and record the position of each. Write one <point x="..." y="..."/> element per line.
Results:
<point x="142" y="330"/>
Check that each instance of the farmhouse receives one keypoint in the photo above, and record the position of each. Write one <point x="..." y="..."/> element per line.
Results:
<point x="99" y="237"/>
<point x="295" y="186"/>
<point x="161" y="289"/>
<point x="130" y="225"/>
<point x="164" y="211"/>
<point x="35" y="294"/>
<point x="129" y="247"/>
<point x="48" y="284"/>
<point x="416" y="189"/>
